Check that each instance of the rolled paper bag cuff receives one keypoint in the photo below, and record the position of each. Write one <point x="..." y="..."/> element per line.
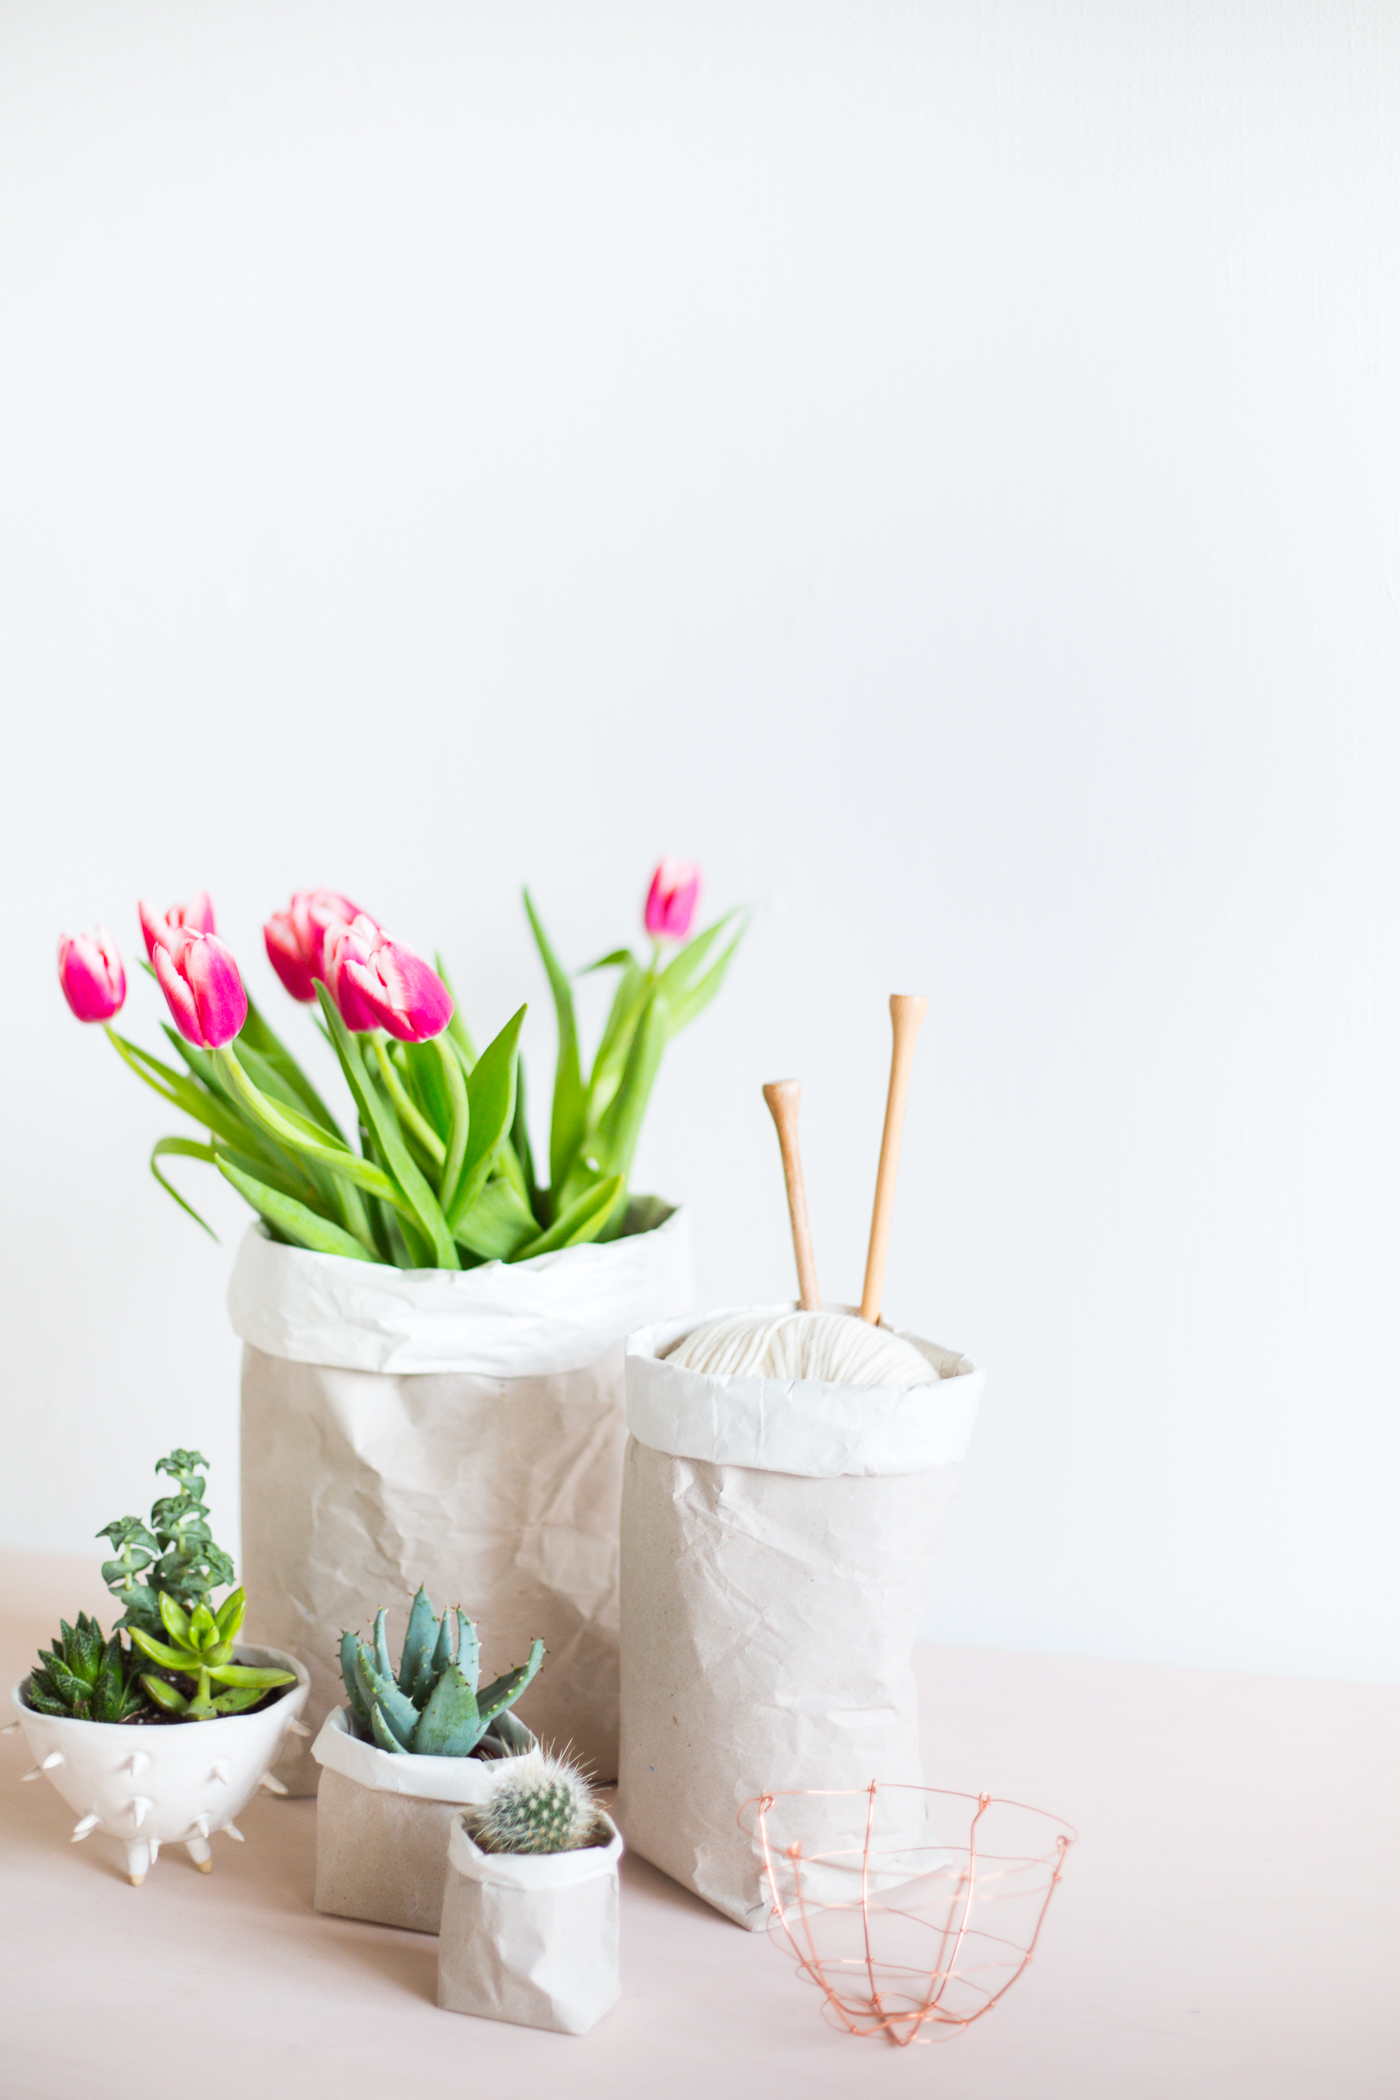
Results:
<point x="530" y="1319"/>
<point x="533" y="1870"/>
<point x="798" y="1425"/>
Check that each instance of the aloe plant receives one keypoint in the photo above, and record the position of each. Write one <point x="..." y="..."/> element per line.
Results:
<point x="84" y="1676"/>
<point x="433" y="1705"/>
<point x="201" y="1647"/>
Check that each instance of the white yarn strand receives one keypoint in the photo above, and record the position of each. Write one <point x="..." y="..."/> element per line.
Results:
<point x="836" y="1348"/>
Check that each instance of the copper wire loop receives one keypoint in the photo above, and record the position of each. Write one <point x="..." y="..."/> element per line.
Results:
<point x="913" y="1941"/>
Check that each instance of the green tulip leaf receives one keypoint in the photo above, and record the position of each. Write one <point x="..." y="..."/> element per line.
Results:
<point x="408" y="1190"/>
<point x="498" y="1223"/>
<point x="616" y="1137"/>
<point x="457" y="1028"/>
<point x="300" y="1225"/>
<point x="583" y="1220"/>
<point x="491" y="1106"/>
<point x="568" y="1122"/>
<point x="182" y="1148"/>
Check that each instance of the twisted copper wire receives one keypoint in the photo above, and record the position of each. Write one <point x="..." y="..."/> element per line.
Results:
<point x="797" y="1920"/>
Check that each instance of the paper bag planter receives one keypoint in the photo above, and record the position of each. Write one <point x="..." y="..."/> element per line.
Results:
<point x="530" y="1937"/>
<point x="778" y="1544"/>
<point x="382" y="1824"/>
<point x="462" y="1429"/>
<point x="414" y="1742"/>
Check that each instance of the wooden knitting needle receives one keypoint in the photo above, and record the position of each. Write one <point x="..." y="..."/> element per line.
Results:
<point x="783" y="1097"/>
<point x="907" y="1014"/>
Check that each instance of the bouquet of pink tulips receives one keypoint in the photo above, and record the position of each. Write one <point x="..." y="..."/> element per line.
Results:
<point x="443" y="1175"/>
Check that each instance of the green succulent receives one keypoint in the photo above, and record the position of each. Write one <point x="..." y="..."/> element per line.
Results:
<point x="433" y="1704"/>
<point x="201" y="1647"/>
<point x="175" y="1554"/>
<point x="84" y="1677"/>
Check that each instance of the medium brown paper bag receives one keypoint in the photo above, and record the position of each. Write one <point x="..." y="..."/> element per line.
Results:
<point x="464" y="1431"/>
<point x="778" y="1544"/>
<point x="530" y="1937"/>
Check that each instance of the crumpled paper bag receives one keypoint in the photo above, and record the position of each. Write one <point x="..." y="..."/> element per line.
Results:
<point x="497" y="1490"/>
<point x="382" y="1825"/>
<point x="530" y="1937"/>
<point x="770" y="1607"/>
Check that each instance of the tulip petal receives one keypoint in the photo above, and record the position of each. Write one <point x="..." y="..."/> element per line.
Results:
<point x="178" y="996"/>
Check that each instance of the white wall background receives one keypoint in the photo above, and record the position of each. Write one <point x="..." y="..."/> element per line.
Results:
<point x="937" y="465"/>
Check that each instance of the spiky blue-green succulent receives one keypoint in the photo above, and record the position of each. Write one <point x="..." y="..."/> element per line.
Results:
<point x="433" y="1704"/>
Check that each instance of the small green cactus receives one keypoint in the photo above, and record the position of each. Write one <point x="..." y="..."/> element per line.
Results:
<point x="433" y="1705"/>
<point x="84" y="1676"/>
<point x="537" y="1803"/>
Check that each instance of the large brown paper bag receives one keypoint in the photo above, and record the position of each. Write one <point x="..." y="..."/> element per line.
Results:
<point x="778" y="1544"/>
<point x="462" y="1430"/>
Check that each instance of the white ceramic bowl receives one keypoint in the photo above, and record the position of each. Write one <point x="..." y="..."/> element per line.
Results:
<point x="154" y="1786"/>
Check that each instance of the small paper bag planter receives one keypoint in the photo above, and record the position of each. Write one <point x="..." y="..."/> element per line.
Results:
<point x="530" y="1937"/>
<point x="462" y="1430"/>
<point x="382" y="1823"/>
<point x="778" y="1544"/>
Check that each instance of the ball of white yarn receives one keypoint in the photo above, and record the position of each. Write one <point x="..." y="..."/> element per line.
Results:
<point x="835" y="1347"/>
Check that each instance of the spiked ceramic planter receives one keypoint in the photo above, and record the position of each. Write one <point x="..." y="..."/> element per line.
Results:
<point x="175" y="1783"/>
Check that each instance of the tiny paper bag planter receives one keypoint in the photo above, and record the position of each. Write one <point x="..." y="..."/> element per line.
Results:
<point x="382" y="1822"/>
<point x="778" y="1543"/>
<point x="463" y="1430"/>
<point x="530" y="1937"/>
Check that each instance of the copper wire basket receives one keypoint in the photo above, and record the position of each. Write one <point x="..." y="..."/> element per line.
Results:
<point x="921" y="1925"/>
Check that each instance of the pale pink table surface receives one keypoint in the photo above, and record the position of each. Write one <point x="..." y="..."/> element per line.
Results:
<point x="1229" y="1924"/>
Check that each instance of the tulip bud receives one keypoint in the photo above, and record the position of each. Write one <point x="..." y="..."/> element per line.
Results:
<point x="203" y="989"/>
<point x="295" y="938"/>
<point x="671" y="900"/>
<point x="195" y="917"/>
<point x="377" y="982"/>
<point x="92" y="975"/>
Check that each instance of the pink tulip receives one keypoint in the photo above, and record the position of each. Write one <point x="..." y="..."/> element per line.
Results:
<point x="379" y="983"/>
<point x="671" y="900"/>
<point x="296" y="937"/>
<point x="195" y="917"/>
<point x="92" y="975"/>
<point x="203" y="989"/>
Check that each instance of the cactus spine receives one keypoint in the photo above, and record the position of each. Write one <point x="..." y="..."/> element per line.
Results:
<point x="537" y="1803"/>
<point x="434" y="1705"/>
